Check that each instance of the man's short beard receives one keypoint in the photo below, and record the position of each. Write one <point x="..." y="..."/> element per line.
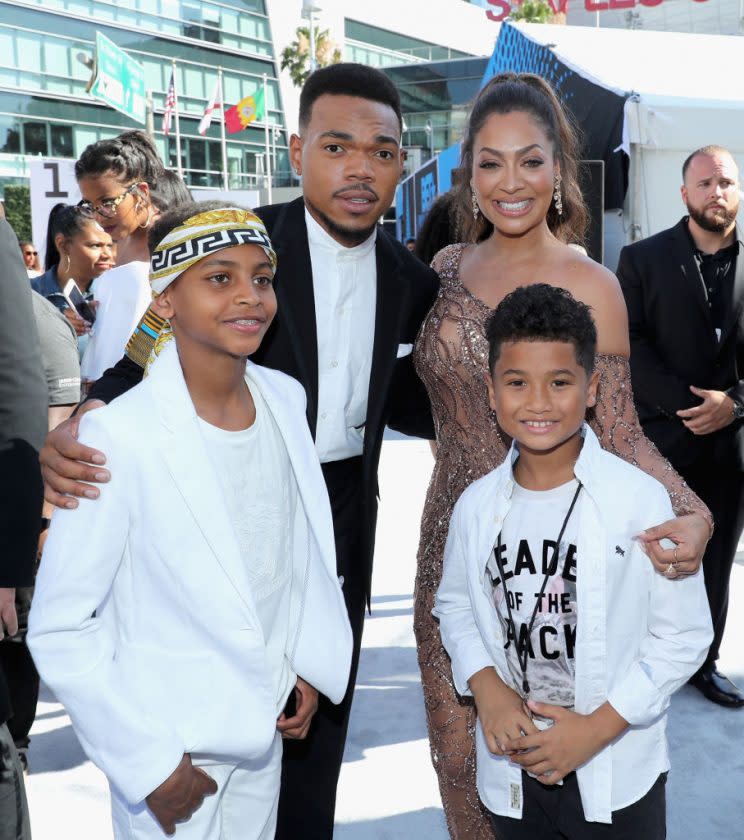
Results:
<point x="348" y="236"/>
<point x="723" y="220"/>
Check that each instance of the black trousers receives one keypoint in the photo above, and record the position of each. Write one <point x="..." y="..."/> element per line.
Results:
<point x="310" y="768"/>
<point x="722" y="489"/>
<point x="20" y="673"/>
<point x="555" y="812"/>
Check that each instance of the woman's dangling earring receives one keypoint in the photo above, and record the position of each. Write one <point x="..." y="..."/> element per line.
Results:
<point x="67" y="267"/>
<point x="476" y="209"/>
<point x="557" y="194"/>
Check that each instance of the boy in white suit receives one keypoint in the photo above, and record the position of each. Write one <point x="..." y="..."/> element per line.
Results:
<point x="568" y="640"/>
<point x="174" y="617"/>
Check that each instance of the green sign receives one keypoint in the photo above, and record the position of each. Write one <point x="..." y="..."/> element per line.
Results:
<point x="120" y="81"/>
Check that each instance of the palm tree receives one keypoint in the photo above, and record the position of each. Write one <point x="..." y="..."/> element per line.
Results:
<point x="532" y="11"/>
<point x="296" y="57"/>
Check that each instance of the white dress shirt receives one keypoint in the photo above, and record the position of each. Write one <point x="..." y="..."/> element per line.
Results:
<point x="345" y="290"/>
<point x="639" y="636"/>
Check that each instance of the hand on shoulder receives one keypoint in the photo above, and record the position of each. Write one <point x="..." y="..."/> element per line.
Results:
<point x="65" y="463"/>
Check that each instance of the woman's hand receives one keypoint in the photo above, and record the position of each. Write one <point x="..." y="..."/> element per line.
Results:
<point x="690" y="533"/>
<point x="80" y="326"/>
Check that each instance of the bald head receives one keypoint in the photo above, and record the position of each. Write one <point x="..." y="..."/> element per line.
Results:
<point x="711" y="188"/>
<point x="707" y="151"/>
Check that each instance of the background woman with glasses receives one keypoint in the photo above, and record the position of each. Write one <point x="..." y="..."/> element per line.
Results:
<point x="118" y="180"/>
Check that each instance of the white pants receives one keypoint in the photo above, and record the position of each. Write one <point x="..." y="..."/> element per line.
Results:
<point x="244" y="807"/>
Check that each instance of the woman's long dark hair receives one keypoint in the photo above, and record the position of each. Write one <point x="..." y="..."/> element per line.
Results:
<point x="439" y="228"/>
<point x="67" y="220"/>
<point x="530" y="94"/>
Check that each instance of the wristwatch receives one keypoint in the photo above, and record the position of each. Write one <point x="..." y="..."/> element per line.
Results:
<point x="738" y="410"/>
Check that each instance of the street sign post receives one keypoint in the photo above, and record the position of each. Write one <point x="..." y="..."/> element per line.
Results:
<point x="120" y="80"/>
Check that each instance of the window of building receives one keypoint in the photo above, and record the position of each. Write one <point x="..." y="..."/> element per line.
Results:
<point x="192" y="18"/>
<point x="200" y="21"/>
<point x="372" y="36"/>
<point x="10" y="135"/>
<point x="61" y="141"/>
<point x="34" y="138"/>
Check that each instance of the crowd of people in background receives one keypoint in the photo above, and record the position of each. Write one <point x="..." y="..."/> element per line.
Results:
<point x="148" y="309"/>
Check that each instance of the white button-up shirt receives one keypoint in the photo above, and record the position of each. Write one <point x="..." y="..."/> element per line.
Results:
<point x="345" y="290"/>
<point x="639" y="637"/>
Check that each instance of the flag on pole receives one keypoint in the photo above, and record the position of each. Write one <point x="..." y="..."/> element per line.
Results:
<point x="170" y="104"/>
<point x="250" y="108"/>
<point x="214" y="103"/>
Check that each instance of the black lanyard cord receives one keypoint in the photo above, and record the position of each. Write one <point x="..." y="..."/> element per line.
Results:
<point x="523" y="651"/>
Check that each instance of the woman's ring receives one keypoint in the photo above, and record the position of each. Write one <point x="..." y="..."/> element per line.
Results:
<point x="671" y="569"/>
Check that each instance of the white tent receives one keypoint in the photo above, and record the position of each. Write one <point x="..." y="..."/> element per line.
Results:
<point x="685" y="91"/>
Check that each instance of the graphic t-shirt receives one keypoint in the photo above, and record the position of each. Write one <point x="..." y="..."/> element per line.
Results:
<point x="527" y="553"/>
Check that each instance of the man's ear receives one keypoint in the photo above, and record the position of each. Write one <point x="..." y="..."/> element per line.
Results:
<point x="402" y="157"/>
<point x="295" y="153"/>
<point x="683" y="193"/>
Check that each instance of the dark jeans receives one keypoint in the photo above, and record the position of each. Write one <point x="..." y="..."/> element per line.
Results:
<point x="554" y="812"/>
<point x="14" y="821"/>
<point x="310" y="768"/>
<point x="20" y="673"/>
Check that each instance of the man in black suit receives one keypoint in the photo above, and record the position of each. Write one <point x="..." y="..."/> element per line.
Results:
<point x="684" y="288"/>
<point x="23" y="412"/>
<point x="350" y="302"/>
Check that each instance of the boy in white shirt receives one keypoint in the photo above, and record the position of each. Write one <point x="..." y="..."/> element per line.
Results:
<point x="174" y="617"/>
<point x="557" y="625"/>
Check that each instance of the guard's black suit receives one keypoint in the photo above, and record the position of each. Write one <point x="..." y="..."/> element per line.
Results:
<point x="406" y="290"/>
<point x="23" y="426"/>
<point x="673" y="345"/>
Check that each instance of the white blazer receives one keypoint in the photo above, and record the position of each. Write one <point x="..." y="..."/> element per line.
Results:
<point x="639" y="636"/>
<point x="143" y="622"/>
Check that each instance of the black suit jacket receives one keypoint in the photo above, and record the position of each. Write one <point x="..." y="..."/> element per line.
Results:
<point x="23" y="426"/>
<point x="406" y="289"/>
<point x="673" y="345"/>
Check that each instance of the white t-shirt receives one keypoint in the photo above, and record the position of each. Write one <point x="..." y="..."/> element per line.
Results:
<point x="527" y="547"/>
<point x="123" y="294"/>
<point x="260" y="492"/>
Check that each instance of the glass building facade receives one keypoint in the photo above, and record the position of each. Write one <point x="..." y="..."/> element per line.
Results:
<point x="45" y="110"/>
<point x="435" y="99"/>
<point x="377" y="47"/>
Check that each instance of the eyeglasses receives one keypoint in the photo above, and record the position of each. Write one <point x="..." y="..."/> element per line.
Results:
<point x="108" y="207"/>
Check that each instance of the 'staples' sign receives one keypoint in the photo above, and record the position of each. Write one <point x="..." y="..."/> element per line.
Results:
<point x="502" y="8"/>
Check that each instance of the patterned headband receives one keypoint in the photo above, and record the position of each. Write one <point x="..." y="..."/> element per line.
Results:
<point x="202" y="235"/>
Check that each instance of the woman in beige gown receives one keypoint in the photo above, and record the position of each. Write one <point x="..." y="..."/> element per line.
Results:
<point x="521" y="205"/>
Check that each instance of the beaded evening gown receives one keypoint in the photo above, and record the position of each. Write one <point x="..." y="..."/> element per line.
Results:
<point x="451" y="357"/>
